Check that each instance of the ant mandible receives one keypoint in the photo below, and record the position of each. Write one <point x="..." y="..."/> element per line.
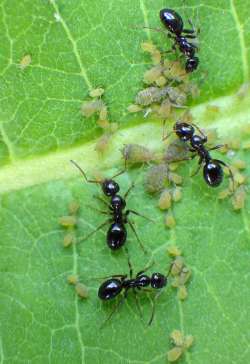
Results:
<point x="113" y="286"/>
<point x="174" y="24"/>
<point x="212" y="170"/>
<point x="117" y="232"/>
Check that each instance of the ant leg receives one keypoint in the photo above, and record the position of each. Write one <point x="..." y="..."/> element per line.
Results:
<point x="200" y="131"/>
<point x="189" y="32"/>
<point x="137" y="213"/>
<point x="83" y="173"/>
<point x="119" y="173"/>
<point x="137" y="303"/>
<point x="122" y="276"/>
<point x="230" y="171"/>
<point x="153" y="309"/>
<point x="145" y="269"/>
<point x="102" y="200"/>
<point x="93" y="232"/>
<point x="95" y="209"/>
<point x="129" y="190"/>
<point x="129" y="264"/>
<point x="217" y="147"/>
<point x="155" y="29"/>
<point x="184" y="159"/>
<point x="121" y="301"/>
<point x="191" y="36"/>
<point x="137" y="237"/>
<point x="197" y="170"/>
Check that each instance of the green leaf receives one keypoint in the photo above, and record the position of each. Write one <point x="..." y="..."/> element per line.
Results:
<point x="76" y="46"/>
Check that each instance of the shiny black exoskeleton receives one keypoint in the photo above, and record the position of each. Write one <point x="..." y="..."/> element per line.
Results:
<point x="212" y="170"/>
<point x="113" y="286"/>
<point x="117" y="232"/>
<point x="174" y="24"/>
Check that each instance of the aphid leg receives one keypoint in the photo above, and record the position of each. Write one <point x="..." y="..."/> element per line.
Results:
<point x="93" y="232"/>
<point x="137" y="237"/>
<point x="153" y="308"/>
<point x="83" y="173"/>
<point x="178" y="106"/>
<point x="121" y="301"/>
<point x="229" y="169"/>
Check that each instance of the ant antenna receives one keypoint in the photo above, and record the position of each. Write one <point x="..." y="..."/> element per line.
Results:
<point x="154" y="29"/>
<point x="157" y="295"/>
<point x="83" y="173"/>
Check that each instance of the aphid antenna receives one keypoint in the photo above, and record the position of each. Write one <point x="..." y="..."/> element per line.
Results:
<point x="83" y="173"/>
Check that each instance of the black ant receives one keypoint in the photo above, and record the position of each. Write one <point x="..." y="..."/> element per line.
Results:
<point x="117" y="233"/>
<point x="112" y="287"/>
<point x="212" y="170"/>
<point x="174" y="24"/>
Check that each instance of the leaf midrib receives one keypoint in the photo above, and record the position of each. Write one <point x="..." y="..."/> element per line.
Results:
<point x="233" y="114"/>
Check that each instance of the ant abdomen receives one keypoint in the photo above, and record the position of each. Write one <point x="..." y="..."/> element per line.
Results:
<point x="213" y="173"/>
<point x="116" y="236"/>
<point x="110" y="289"/>
<point x="172" y="21"/>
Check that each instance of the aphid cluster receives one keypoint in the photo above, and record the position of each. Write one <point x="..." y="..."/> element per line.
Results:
<point x="237" y="190"/>
<point x="179" y="271"/>
<point x="69" y="222"/>
<point x="96" y="106"/>
<point x="181" y="344"/>
<point x="80" y="288"/>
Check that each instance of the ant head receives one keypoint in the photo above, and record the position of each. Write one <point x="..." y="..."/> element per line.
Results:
<point x="191" y="64"/>
<point x="213" y="173"/>
<point x="184" y="131"/>
<point x="110" y="187"/>
<point x="158" y="280"/>
<point x="117" y="202"/>
<point x="172" y="21"/>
